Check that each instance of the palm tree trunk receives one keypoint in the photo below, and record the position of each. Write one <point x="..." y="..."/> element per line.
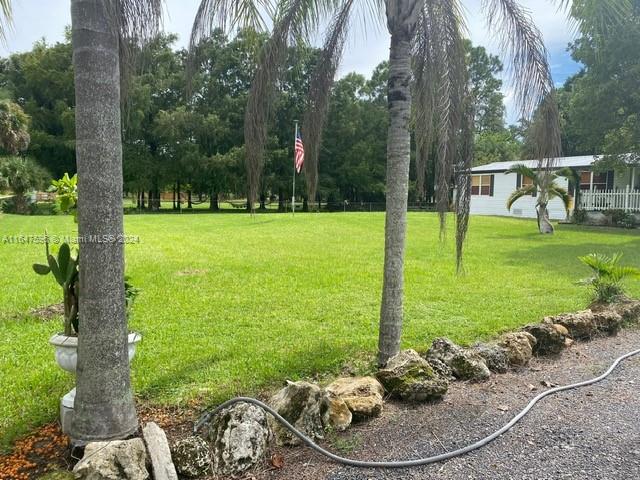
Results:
<point x="544" y="224"/>
<point x="104" y="406"/>
<point x="398" y="150"/>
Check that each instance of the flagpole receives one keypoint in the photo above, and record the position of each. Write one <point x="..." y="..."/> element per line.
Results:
<point x="293" y="197"/>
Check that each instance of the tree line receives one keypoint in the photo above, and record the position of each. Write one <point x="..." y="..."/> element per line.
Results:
<point x="183" y="131"/>
<point x="183" y="121"/>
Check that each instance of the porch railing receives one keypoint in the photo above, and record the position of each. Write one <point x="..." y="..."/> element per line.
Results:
<point x="628" y="200"/>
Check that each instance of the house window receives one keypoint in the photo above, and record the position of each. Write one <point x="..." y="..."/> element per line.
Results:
<point x="601" y="181"/>
<point x="524" y="182"/>
<point x="482" y="185"/>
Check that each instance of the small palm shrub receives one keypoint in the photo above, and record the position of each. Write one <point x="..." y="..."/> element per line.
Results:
<point x="609" y="276"/>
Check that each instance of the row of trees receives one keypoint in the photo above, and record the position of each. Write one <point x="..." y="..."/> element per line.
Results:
<point x="185" y="133"/>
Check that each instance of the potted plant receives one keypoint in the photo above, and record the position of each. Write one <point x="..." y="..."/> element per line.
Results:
<point x="64" y="268"/>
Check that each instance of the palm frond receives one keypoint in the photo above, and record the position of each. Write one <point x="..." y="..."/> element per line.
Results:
<point x="524" y="171"/>
<point x="609" y="267"/>
<point x="6" y="19"/>
<point x="449" y="61"/>
<point x="137" y="21"/>
<point x="262" y="92"/>
<point x="597" y="17"/>
<point x="523" y="44"/>
<point x="519" y="193"/>
<point x="571" y="174"/>
<point x="320" y="94"/>
<point x="424" y="96"/>
<point x="463" y="176"/>
<point x="531" y="75"/>
<point x="556" y="191"/>
<point x="227" y="15"/>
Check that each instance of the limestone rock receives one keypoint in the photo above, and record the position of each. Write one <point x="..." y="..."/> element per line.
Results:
<point x="608" y="321"/>
<point x="550" y="339"/>
<point x="441" y="368"/>
<point x="239" y="436"/>
<point x="363" y="395"/>
<point x="465" y="364"/>
<point x="587" y="324"/>
<point x="580" y="325"/>
<point x="336" y="414"/>
<point x="494" y="356"/>
<point x="192" y="457"/>
<point x="519" y="347"/>
<point x="115" y="460"/>
<point x="443" y="349"/>
<point x="628" y="309"/>
<point x="562" y="330"/>
<point x="596" y="218"/>
<point x="410" y="377"/>
<point x="300" y="403"/>
<point x="159" y="452"/>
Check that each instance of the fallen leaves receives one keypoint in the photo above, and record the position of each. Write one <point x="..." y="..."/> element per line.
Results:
<point x="34" y="455"/>
<point x="277" y="461"/>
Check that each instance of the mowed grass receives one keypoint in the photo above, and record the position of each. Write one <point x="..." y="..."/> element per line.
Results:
<point x="233" y="304"/>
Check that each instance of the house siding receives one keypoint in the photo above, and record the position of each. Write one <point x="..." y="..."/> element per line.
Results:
<point x="504" y="185"/>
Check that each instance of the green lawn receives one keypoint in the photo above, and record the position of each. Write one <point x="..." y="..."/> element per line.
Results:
<point x="232" y="304"/>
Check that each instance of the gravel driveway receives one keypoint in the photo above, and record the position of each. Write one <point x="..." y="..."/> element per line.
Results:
<point x="591" y="433"/>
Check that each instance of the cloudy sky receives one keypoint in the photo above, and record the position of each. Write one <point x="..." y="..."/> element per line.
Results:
<point x="36" y="19"/>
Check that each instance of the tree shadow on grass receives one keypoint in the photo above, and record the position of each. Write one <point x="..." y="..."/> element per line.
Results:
<point x="293" y="365"/>
<point x="561" y="229"/>
<point x="555" y="258"/>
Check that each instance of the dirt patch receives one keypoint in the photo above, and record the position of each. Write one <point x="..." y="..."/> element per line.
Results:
<point x="49" y="312"/>
<point x="191" y="272"/>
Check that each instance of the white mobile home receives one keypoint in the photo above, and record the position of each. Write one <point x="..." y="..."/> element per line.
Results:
<point x="492" y="186"/>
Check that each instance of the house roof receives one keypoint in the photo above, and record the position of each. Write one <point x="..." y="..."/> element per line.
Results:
<point x="584" y="161"/>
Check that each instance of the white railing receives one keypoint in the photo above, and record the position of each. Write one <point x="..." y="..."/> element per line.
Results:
<point x="627" y="200"/>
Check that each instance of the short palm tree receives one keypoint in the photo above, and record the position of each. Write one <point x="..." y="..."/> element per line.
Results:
<point x="608" y="276"/>
<point x="427" y="70"/>
<point x="534" y="187"/>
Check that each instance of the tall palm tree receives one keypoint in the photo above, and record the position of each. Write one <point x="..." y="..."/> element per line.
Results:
<point x="534" y="188"/>
<point x="102" y="34"/>
<point x="426" y="37"/>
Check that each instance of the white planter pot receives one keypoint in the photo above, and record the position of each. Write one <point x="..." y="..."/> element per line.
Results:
<point x="67" y="349"/>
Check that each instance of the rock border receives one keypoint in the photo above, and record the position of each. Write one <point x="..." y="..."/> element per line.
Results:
<point x="243" y="432"/>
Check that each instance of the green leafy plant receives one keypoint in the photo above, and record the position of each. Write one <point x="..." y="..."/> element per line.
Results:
<point x="130" y="294"/>
<point x="66" y="190"/>
<point x="64" y="269"/>
<point x="609" y="276"/>
<point x="579" y="216"/>
<point x="620" y="218"/>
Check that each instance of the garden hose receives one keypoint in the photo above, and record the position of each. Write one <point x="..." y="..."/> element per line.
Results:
<point x="418" y="462"/>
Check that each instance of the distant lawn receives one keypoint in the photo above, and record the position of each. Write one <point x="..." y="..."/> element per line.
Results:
<point x="232" y="304"/>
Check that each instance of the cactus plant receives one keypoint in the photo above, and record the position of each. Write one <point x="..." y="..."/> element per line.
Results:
<point x="64" y="269"/>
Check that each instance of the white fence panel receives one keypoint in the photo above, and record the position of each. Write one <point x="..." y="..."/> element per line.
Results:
<point x="610" y="200"/>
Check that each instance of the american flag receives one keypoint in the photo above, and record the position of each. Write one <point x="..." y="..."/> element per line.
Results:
<point x="299" y="157"/>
